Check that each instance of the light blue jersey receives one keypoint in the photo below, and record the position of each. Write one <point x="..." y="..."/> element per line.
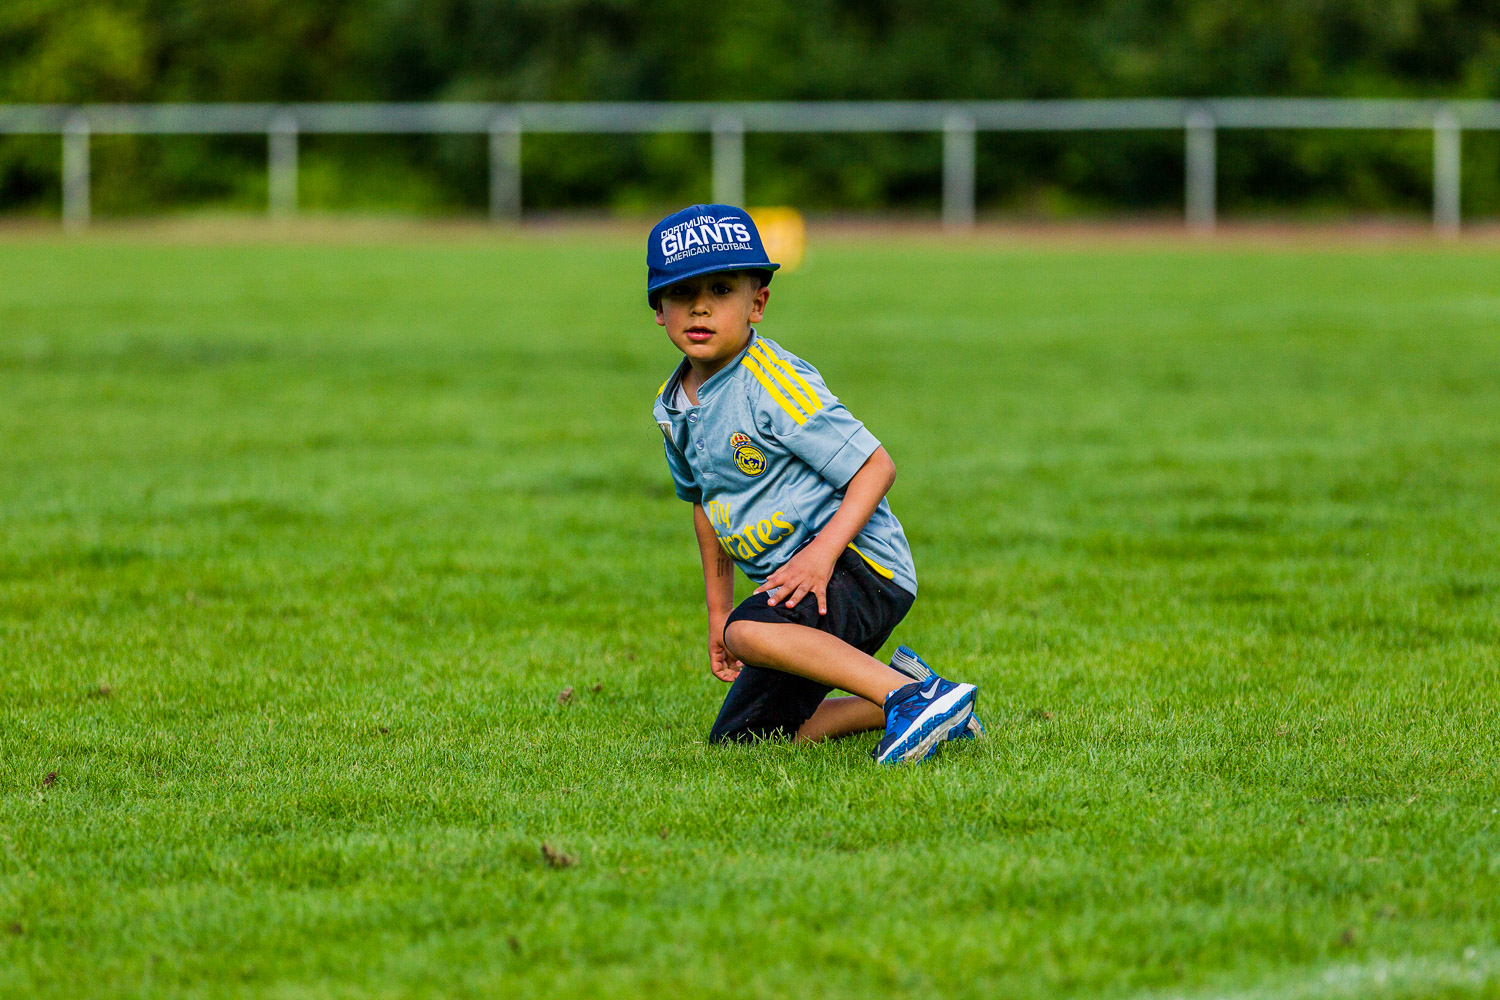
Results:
<point x="768" y="451"/>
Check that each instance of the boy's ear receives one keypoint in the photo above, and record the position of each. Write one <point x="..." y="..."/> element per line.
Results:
<point x="661" y="317"/>
<point x="758" y="304"/>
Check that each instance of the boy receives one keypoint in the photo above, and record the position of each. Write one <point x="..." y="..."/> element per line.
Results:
<point x="786" y="482"/>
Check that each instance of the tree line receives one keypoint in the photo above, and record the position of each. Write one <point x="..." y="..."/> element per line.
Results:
<point x="308" y="50"/>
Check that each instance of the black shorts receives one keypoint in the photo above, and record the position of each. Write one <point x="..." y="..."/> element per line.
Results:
<point x="864" y="608"/>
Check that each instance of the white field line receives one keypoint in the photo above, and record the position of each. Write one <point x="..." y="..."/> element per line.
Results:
<point x="1474" y="970"/>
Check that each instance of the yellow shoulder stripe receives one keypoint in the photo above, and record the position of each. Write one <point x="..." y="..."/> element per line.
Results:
<point x="775" y="373"/>
<point x="817" y="404"/>
<point x="663" y="388"/>
<point x="786" y="404"/>
<point x="873" y="564"/>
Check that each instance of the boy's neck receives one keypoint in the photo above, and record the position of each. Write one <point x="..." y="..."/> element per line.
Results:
<point x="701" y="371"/>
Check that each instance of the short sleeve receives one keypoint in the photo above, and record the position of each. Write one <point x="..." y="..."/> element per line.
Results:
<point x="682" y="473"/>
<point x="800" y="412"/>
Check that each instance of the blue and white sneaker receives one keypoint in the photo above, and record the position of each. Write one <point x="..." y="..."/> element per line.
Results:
<point x="906" y="660"/>
<point x="919" y="717"/>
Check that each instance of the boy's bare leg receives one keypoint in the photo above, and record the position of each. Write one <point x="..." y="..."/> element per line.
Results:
<point x="842" y="717"/>
<point x="818" y="656"/>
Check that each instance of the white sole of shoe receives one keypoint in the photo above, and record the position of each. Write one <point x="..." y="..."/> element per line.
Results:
<point x="923" y="750"/>
<point x="912" y="667"/>
<point x="940" y="717"/>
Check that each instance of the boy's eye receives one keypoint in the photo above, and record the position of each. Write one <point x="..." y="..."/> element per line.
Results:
<point x="722" y="289"/>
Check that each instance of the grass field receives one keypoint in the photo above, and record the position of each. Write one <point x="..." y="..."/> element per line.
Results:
<point x="300" y="544"/>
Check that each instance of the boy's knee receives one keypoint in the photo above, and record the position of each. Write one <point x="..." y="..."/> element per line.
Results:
<point x="731" y="634"/>
<point x="744" y="639"/>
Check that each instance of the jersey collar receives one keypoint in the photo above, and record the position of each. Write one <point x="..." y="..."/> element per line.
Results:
<point x="669" y="391"/>
<point x="714" y="380"/>
<point x="727" y="372"/>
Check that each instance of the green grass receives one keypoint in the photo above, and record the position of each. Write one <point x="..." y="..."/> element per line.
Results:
<point x="299" y="544"/>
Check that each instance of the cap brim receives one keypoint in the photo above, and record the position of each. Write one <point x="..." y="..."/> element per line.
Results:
<point x="710" y="269"/>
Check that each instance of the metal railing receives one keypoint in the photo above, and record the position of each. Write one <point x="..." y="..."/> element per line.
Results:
<point x="727" y="123"/>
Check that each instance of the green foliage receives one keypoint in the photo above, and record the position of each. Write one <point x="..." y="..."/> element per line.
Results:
<point x="59" y="52"/>
<point x="271" y="50"/>
<point x="299" y="544"/>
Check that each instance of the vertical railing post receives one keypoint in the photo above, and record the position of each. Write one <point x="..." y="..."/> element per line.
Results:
<point x="75" y="171"/>
<point x="282" y="166"/>
<point x="1447" y="172"/>
<point x="1200" y="194"/>
<point x="505" y="168"/>
<point x="958" y="171"/>
<point x="729" y="159"/>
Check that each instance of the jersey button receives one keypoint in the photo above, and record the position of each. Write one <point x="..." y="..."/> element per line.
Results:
<point x="693" y="417"/>
<point x="700" y="445"/>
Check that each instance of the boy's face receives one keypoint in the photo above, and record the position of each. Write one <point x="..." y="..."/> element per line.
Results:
<point x="709" y="317"/>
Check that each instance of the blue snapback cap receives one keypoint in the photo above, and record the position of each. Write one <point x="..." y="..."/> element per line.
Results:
<point x="702" y="239"/>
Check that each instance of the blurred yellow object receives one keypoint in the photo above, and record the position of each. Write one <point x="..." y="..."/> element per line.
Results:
<point x="783" y="233"/>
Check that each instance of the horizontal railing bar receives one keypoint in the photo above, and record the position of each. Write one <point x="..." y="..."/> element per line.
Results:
<point x="767" y="116"/>
<point x="33" y="119"/>
<point x="1321" y="113"/>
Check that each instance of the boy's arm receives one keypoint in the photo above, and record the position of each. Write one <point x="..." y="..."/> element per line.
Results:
<point x="808" y="571"/>
<point x="718" y="589"/>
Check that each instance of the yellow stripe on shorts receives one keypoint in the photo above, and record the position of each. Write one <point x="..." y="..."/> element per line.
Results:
<point x="873" y="564"/>
<point x="786" y="404"/>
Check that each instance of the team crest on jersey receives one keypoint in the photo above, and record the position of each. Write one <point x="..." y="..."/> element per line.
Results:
<point x="747" y="458"/>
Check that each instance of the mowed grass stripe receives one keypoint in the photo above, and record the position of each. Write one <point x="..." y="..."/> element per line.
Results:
<point x="299" y="545"/>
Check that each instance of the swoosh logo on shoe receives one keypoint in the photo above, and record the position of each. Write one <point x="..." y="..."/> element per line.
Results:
<point x="931" y="691"/>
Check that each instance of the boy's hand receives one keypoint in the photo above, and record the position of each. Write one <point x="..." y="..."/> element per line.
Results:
<point x="724" y="664"/>
<point x="805" y="573"/>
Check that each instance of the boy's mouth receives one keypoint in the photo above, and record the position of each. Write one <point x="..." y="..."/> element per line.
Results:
<point x="699" y="334"/>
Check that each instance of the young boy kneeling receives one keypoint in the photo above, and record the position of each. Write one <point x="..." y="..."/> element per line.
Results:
<point x="786" y="482"/>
